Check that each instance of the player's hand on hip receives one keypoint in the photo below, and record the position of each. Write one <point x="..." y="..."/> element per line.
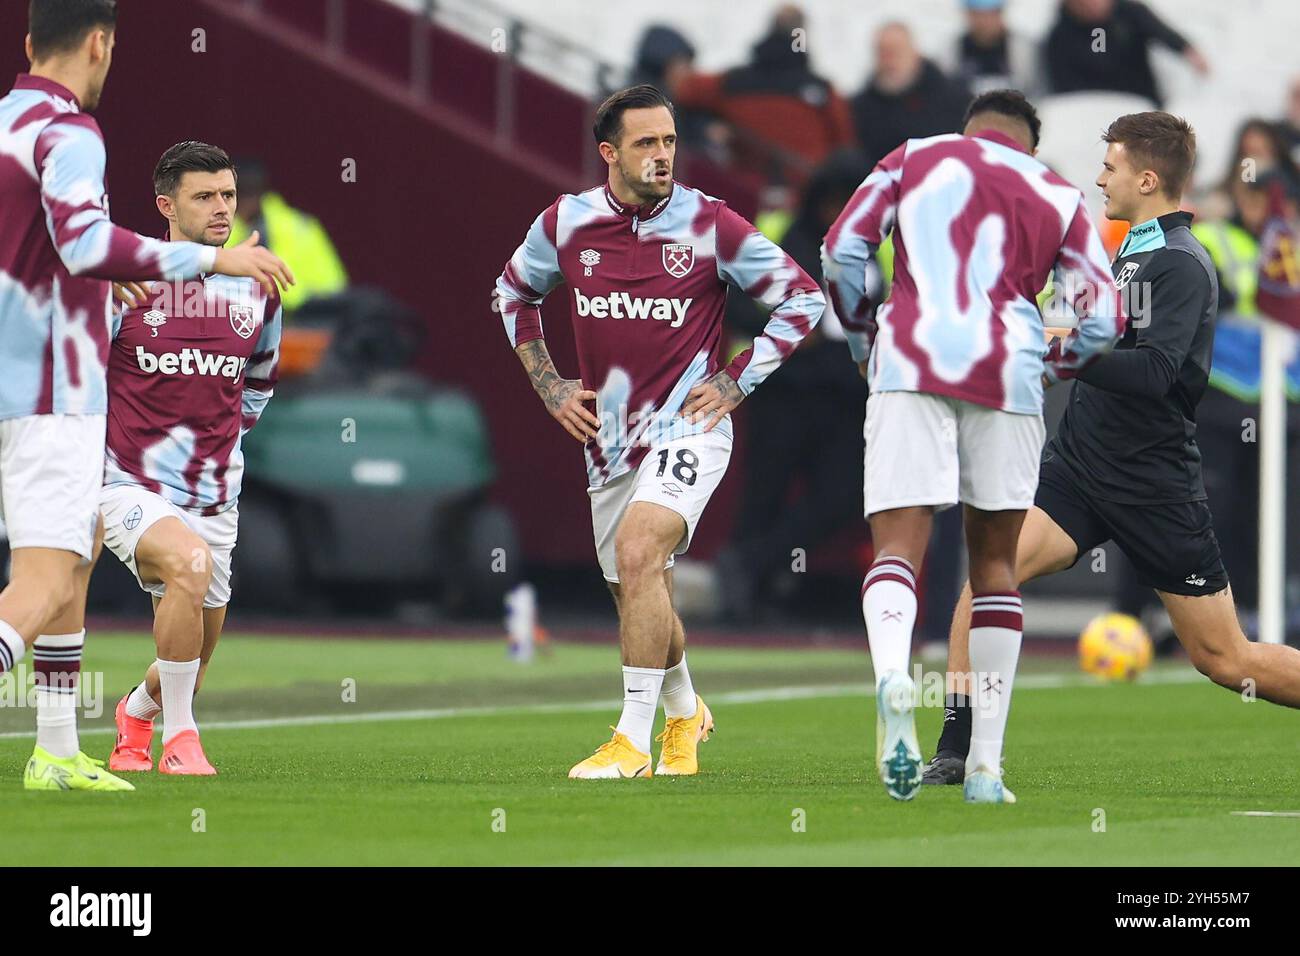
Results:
<point x="566" y="401"/>
<point x="131" y="294"/>
<point x="256" y="262"/>
<point x="712" y="400"/>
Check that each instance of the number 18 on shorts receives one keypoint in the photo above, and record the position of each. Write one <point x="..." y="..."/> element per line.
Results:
<point x="681" y="475"/>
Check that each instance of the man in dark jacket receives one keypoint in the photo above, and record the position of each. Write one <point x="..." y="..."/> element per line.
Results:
<point x="1106" y="45"/>
<point x="788" y="118"/>
<point x="907" y="96"/>
<point x="808" y="433"/>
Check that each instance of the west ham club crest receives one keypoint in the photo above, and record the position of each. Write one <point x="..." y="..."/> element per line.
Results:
<point x="678" y="258"/>
<point x="242" y="321"/>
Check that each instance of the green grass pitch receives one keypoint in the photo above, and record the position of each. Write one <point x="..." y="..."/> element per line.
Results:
<point x="471" y="740"/>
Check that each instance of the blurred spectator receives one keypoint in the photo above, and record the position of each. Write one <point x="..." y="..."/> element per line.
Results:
<point x="775" y="101"/>
<point x="989" y="56"/>
<point x="1229" y="451"/>
<point x="1260" y="149"/>
<point x="1076" y="59"/>
<point x="296" y="237"/>
<point x="1290" y="126"/>
<point x="906" y="97"/>
<point x="664" y="58"/>
<point x="803" y="463"/>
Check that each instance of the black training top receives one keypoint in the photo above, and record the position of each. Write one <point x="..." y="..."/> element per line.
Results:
<point x="1130" y="427"/>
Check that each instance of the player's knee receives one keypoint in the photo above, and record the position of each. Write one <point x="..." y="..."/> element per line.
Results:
<point x="1226" y="667"/>
<point x="637" y="559"/>
<point x="188" y="571"/>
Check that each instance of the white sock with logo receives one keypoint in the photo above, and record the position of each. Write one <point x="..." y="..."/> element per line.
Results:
<point x="140" y="705"/>
<point x="889" y="609"/>
<point x="641" y="686"/>
<point x="12" y="647"/>
<point x="678" y="693"/>
<point x="996" y="627"/>
<point x="178" y="679"/>
<point x="57" y="661"/>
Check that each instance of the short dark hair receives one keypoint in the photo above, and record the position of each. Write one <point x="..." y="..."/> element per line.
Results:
<point x="609" y="115"/>
<point x="187" y="157"/>
<point x="1010" y="103"/>
<point x="1158" y="141"/>
<point x="59" y="26"/>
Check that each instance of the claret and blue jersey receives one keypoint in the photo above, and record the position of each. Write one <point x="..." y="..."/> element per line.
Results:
<point x="189" y="373"/>
<point x="58" y="252"/>
<point x="978" y="226"/>
<point x="647" y="290"/>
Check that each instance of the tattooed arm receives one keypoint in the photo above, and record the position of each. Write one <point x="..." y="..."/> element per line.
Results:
<point x="565" y="398"/>
<point x="531" y="273"/>
<point x="713" y="399"/>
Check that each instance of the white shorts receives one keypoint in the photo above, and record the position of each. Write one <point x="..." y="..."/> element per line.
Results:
<point x="51" y="470"/>
<point x="680" y="474"/>
<point x="130" y="511"/>
<point x="927" y="449"/>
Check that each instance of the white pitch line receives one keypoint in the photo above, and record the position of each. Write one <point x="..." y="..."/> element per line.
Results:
<point x="758" y="696"/>
<point x="1263" y="813"/>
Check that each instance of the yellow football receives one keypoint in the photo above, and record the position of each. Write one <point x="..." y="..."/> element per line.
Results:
<point x="1115" y="647"/>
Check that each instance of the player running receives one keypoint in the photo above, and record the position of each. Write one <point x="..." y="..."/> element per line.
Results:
<point x="1124" y="465"/>
<point x="58" y="252"/>
<point x="648" y="261"/>
<point x="189" y="373"/>
<point x="955" y="363"/>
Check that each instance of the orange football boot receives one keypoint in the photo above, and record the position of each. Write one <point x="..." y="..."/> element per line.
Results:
<point x="183" y="755"/>
<point x="134" y="747"/>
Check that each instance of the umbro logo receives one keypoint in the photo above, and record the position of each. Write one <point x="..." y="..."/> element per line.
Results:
<point x="992" y="685"/>
<point x="672" y="487"/>
<point x="891" y="616"/>
<point x="589" y="259"/>
<point x="1195" y="579"/>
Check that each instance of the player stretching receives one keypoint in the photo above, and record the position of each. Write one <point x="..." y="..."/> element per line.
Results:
<point x="58" y="251"/>
<point x="955" y="366"/>
<point x="648" y="261"/>
<point x="184" y="386"/>
<point x="1124" y="465"/>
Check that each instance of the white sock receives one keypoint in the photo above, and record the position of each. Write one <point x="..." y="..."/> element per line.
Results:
<point x="56" y="659"/>
<point x="641" y="686"/>
<point x="996" y="627"/>
<point x="178" y="679"/>
<point x="889" y="608"/>
<point x="678" y="693"/>
<point x="140" y="704"/>
<point x="12" y="647"/>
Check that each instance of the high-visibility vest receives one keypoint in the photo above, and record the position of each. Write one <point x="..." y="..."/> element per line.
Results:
<point x="1235" y="369"/>
<point x="302" y="242"/>
<point x="1235" y="253"/>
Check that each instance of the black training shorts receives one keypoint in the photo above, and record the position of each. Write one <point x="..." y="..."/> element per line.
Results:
<point x="1171" y="544"/>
